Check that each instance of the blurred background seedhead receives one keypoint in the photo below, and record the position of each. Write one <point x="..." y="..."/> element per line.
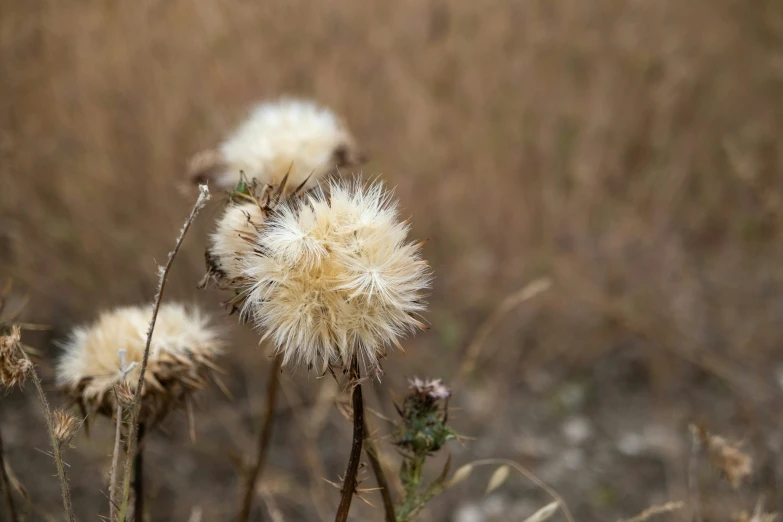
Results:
<point x="100" y="362"/>
<point x="629" y="150"/>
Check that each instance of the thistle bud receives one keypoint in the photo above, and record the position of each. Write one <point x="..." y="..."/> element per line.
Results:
<point x="65" y="426"/>
<point x="423" y="429"/>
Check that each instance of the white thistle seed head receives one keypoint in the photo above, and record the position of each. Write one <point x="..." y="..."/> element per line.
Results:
<point x="234" y="239"/>
<point x="330" y="277"/>
<point x="287" y="136"/>
<point x="109" y="353"/>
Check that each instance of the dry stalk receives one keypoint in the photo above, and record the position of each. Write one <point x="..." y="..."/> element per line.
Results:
<point x="655" y="510"/>
<point x="136" y="406"/>
<point x="349" y="484"/>
<point x="265" y="437"/>
<point x="138" y="475"/>
<point x="5" y="482"/>
<point x="58" y="459"/>
<point x="114" y="501"/>
<point x="380" y="476"/>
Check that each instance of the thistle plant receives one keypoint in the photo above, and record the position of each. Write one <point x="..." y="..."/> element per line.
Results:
<point x="282" y="150"/>
<point x="331" y="281"/>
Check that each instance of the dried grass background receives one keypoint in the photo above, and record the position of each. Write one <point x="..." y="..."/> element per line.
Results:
<point x="630" y="150"/>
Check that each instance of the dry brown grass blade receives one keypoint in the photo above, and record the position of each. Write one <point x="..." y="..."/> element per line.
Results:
<point x="465" y="470"/>
<point x="655" y="510"/>
<point x="473" y="352"/>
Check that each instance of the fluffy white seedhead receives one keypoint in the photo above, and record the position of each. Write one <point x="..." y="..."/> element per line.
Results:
<point x="109" y="352"/>
<point x="288" y="136"/>
<point x="330" y="277"/>
<point x="233" y="239"/>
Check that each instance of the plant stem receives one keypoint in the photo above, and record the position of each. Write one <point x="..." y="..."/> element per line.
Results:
<point x="6" y="483"/>
<point x="265" y="437"/>
<point x="411" y="480"/>
<point x="136" y="406"/>
<point x="58" y="459"/>
<point x="414" y="504"/>
<point x="114" y="503"/>
<point x="349" y="485"/>
<point x="380" y="476"/>
<point x="138" y="476"/>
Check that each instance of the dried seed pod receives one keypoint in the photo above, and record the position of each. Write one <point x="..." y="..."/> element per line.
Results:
<point x="733" y="464"/>
<point x="65" y="426"/>
<point x="14" y="367"/>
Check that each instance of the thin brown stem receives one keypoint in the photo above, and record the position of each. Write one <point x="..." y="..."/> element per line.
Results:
<point x="58" y="459"/>
<point x="349" y="484"/>
<point x="265" y="437"/>
<point x="138" y="476"/>
<point x="114" y="501"/>
<point x="6" y="484"/>
<point x="380" y="476"/>
<point x="136" y="406"/>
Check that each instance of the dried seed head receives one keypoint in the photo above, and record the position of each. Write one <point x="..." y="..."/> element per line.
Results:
<point x="329" y="277"/>
<point x="14" y="367"/>
<point x="281" y="136"/>
<point x="233" y="240"/>
<point x="125" y="393"/>
<point x="733" y="464"/>
<point x="65" y="426"/>
<point x="109" y="352"/>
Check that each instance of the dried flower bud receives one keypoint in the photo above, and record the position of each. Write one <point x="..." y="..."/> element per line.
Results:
<point x="423" y="428"/>
<point x="733" y="464"/>
<point x="65" y="426"/>
<point x="14" y="367"/>
<point x="125" y="393"/>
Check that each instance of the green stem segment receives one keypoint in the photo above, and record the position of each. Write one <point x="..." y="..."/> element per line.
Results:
<point x="349" y="485"/>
